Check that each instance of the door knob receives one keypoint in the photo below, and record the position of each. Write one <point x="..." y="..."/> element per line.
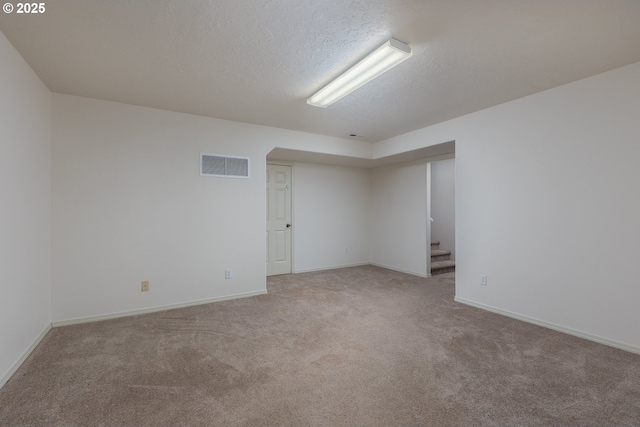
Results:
<point x="288" y="225"/>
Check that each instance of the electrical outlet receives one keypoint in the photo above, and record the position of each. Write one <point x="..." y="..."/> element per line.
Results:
<point x="145" y="286"/>
<point x="227" y="274"/>
<point x="483" y="280"/>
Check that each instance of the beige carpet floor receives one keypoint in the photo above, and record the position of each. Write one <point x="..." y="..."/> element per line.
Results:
<point x="359" y="346"/>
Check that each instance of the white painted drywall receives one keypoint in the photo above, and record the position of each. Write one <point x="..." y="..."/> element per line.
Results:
<point x="443" y="204"/>
<point x="398" y="217"/>
<point x="129" y="205"/>
<point x="547" y="205"/>
<point x="25" y="216"/>
<point x="330" y="214"/>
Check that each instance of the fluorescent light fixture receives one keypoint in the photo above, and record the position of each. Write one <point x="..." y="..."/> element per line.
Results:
<point x="377" y="62"/>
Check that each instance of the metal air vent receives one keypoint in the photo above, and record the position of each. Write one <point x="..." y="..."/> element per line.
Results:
<point x="224" y="166"/>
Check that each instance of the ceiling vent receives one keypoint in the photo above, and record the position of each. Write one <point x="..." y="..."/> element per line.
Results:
<point x="224" y="166"/>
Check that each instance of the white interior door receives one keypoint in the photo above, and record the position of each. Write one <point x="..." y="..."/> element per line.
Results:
<point x="278" y="219"/>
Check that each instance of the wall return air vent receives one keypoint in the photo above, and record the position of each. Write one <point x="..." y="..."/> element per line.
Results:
<point x="224" y="166"/>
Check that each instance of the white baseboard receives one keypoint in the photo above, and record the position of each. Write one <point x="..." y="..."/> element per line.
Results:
<point x="309" y="270"/>
<point x="413" y="273"/>
<point x="333" y="267"/>
<point x="12" y="370"/>
<point x="559" y="328"/>
<point x="87" y="319"/>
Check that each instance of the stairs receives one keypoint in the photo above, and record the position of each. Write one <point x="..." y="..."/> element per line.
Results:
<point x="441" y="260"/>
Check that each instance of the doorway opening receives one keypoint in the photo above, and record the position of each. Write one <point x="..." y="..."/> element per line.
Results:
<point x="441" y="216"/>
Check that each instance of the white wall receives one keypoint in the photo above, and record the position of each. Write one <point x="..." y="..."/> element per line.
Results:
<point x="25" y="217"/>
<point x="398" y="217"/>
<point x="330" y="214"/>
<point x="547" y="205"/>
<point x="443" y="204"/>
<point x="129" y="205"/>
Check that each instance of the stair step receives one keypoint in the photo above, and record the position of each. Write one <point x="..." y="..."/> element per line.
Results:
<point x="440" y="255"/>
<point x="441" y="267"/>
<point x="435" y="244"/>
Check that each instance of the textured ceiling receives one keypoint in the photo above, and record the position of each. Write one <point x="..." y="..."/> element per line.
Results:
<point x="257" y="61"/>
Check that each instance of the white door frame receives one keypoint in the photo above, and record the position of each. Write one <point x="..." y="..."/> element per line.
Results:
<point x="293" y="228"/>
<point x="428" y="219"/>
